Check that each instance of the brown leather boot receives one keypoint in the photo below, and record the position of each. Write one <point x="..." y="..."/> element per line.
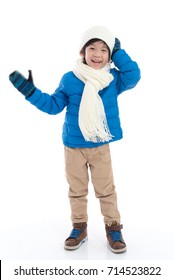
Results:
<point x="77" y="237"/>
<point x="115" y="239"/>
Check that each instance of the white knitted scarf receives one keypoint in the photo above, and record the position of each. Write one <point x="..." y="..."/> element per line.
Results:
<point x="92" y="119"/>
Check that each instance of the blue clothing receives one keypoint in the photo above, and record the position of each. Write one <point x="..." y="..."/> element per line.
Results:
<point x="69" y="92"/>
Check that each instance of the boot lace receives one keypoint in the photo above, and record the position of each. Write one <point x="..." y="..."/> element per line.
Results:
<point x="75" y="233"/>
<point x="115" y="235"/>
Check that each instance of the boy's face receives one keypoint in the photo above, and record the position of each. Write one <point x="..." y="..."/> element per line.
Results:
<point x="96" y="55"/>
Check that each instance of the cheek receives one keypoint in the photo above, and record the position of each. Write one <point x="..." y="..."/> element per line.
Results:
<point x="107" y="58"/>
<point x="87" y="56"/>
<point x="87" y="53"/>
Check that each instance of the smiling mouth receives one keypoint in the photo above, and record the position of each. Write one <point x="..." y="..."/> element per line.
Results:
<point x="97" y="62"/>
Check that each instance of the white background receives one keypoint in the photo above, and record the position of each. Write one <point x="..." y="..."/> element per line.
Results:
<point x="34" y="209"/>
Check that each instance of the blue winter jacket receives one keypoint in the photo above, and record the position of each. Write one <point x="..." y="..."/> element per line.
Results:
<point x="69" y="93"/>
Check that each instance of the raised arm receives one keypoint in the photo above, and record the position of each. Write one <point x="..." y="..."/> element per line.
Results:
<point x="51" y="104"/>
<point x="128" y="70"/>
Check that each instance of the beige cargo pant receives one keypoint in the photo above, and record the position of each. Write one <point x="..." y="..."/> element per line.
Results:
<point x="98" y="160"/>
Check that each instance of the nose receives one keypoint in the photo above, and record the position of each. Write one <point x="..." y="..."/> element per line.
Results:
<point x="97" y="53"/>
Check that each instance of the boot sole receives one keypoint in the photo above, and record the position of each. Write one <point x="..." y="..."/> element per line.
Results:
<point x="71" y="248"/>
<point x="117" y="251"/>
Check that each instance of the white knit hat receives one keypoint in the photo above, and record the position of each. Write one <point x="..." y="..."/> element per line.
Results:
<point x="98" y="32"/>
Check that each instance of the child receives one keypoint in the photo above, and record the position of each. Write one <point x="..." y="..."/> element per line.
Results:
<point x="89" y="93"/>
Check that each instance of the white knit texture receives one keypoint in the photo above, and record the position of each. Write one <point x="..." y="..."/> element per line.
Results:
<point x="92" y="117"/>
<point x="98" y="32"/>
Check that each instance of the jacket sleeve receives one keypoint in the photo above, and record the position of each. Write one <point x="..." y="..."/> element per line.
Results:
<point x="128" y="71"/>
<point x="51" y="104"/>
